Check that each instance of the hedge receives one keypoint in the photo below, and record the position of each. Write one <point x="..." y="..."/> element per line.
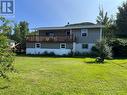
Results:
<point x="119" y="47"/>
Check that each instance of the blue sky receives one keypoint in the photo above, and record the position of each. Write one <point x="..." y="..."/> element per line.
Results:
<point x="59" y="12"/>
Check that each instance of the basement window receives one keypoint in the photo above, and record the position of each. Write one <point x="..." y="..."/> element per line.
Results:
<point x="85" y="46"/>
<point x="62" y="45"/>
<point x="38" y="45"/>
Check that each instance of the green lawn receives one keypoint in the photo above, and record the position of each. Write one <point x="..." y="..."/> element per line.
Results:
<point x="66" y="76"/>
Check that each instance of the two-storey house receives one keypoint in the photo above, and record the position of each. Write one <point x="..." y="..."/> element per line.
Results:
<point x="74" y="38"/>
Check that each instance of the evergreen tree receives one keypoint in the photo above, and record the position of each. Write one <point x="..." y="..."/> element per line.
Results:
<point x="21" y="30"/>
<point x="108" y="23"/>
<point x="121" y="20"/>
<point x="24" y="30"/>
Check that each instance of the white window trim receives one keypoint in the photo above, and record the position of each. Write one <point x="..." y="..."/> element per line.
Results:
<point x="84" y="31"/>
<point x="61" y="45"/>
<point x="87" y="44"/>
<point x="36" y="45"/>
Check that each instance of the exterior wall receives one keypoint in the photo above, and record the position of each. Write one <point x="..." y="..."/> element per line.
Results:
<point x="78" y="48"/>
<point x="50" y="45"/>
<point x="93" y="36"/>
<point x="41" y="51"/>
<point x="30" y="45"/>
<point x="55" y="47"/>
<point x="49" y="48"/>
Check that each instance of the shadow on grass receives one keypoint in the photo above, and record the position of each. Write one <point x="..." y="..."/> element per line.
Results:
<point x="89" y="61"/>
<point x="94" y="62"/>
<point x="69" y="56"/>
<point x="120" y="58"/>
<point x="49" y="56"/>
<point x="4" y="87"/>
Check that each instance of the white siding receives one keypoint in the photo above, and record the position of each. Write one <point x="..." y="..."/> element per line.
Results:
<point x="81" y="50"/>
<point x="41" y="51"/>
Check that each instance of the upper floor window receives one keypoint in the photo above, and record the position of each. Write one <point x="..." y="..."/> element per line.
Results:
<point x="84" y="32"/>
<point x="68" y="32"/>
<point x="62" y="45"/>
<point x="37" y="45"/>
<point x="49" y="34"/>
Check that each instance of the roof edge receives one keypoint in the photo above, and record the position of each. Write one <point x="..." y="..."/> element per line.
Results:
<point x="69" y="27"/>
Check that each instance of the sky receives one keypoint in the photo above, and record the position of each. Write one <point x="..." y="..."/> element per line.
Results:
<point x="43" y="13"/>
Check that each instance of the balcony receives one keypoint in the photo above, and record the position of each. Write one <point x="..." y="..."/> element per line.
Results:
<point x="36" y="38"/>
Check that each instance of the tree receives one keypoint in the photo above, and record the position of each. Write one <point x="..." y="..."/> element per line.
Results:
<point x="103" y="18"/>
<point x="109" y="25"/>
<point x="102" y="50"/>
<point x="17" y="34"/>
<point x="24" y="30"/>
<point x="121" y="20"/>
<point x="6" y="26"/>
<point x="21" y="30"/>
<point x="6" y="55"/>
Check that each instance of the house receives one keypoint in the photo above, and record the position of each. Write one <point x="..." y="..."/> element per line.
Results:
<point x="80" y="37"/>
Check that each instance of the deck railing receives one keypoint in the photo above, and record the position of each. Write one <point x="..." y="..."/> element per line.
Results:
<point x="35" y="38"/>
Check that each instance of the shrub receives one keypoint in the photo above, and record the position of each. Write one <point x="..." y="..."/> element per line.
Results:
<point x="119" y="47"/>
<point x="102" y="50"/>
<point x="48" y="54"/>
<point x="6" y="57"/>
<point x="45" y="53"/>
<point x="52" y="54"/>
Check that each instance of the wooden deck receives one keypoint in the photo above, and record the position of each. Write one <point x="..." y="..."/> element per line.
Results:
<point x="34" y="38"/>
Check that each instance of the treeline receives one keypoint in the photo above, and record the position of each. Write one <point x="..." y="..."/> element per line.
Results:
<point x="114" y="32"/>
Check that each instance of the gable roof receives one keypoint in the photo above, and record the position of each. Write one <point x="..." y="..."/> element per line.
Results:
<point x="72" y="26"/>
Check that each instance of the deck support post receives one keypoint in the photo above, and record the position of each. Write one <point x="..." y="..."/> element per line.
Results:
<point x="74" y="48"/>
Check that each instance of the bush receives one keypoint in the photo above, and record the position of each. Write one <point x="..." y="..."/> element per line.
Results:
<point x="119" y="47"/>
<point x="48" y="54"/>
<point x="102" y="50"/>
<point x="6" y="57"/>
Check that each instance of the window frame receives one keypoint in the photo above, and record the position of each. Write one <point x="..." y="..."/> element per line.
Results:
<point x="63" y="44"/>
<point x="37" y="44"/>
<point x="85" y="47"/>
<point x="84" y="31"/>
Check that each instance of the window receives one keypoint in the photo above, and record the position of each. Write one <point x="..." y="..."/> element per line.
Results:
<point x="63" y="45"/>
<point x="37" y="45"/>
<point x="84" y="32"/>
<point x="85" y="46"/>
<point x="49" y="34"/>
<point x="68" y="32"/>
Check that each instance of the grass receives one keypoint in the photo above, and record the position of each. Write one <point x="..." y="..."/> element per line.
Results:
<point x="66" y="76"/>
